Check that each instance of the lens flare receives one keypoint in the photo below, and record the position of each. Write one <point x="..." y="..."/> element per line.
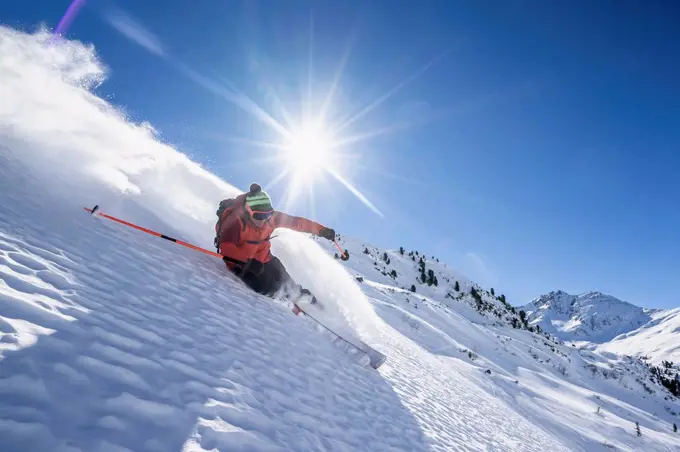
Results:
<point x="69" y="16"/>
<point x="308" y="150"/>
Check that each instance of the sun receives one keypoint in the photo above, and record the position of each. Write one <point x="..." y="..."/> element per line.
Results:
<point x="308" y="149"/>
<point x="309" y="152"/>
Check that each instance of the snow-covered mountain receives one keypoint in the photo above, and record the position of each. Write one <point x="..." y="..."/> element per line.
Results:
<point x="112" y="340"/>
<point x="608" y="323"/>
<point x="592" y="316"/>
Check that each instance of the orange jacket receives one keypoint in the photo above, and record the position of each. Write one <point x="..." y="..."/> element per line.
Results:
<point x="239" y="239"/>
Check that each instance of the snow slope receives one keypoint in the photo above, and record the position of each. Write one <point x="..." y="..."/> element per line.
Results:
<point x="572" y="381"/>
<point x="658" y="339"/>
<point x="609" y="323"/>
<point x="113" y="340"/>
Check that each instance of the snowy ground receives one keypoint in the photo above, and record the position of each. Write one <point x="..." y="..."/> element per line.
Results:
<point x="659" y="339"/>
<point x="112" y="340"/>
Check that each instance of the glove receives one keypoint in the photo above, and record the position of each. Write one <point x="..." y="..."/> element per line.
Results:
<point x="327" y="233"/>
<point x="254" y="266"/>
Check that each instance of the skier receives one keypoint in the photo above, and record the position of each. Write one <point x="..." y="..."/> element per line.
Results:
<point x="244" y="229"/>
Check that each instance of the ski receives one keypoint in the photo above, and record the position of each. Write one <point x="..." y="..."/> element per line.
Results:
<point x="376" y="359"/>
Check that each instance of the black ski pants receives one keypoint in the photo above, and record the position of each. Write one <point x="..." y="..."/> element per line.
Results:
<point x="270" y="280"/>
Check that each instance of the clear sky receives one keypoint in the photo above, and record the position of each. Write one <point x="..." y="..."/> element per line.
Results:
<point x="533" y="145"/>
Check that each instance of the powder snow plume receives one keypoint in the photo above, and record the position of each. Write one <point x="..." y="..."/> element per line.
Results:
<point x="89" y="152"/>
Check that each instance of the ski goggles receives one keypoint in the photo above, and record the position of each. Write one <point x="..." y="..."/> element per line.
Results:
<point x="259" y="216"/>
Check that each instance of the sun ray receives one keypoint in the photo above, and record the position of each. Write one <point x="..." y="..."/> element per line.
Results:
<point x="274" y="160"/>
<point x="464" y="107"/>
<point x="337" y="76"/>
<point x="236" y="97"/>
<point x="391" y="92"/>
<point x="251" y="106"/>
<point x="408" y="180"/>
<point x="279" y="177"/>
<point x="241" y="140"/>
<point x="312" y="204"/>
<point x="307" y="104"/>
<point x="293" y="191"/>
<point x="278" y="104"/>
<point x="355" y="192"/>
<point x="374" y="133"/>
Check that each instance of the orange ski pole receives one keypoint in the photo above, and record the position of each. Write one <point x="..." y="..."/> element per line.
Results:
<point x="95" y="209"/>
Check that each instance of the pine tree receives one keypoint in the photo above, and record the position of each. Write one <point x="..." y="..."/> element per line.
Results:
<point x="503" y="299"/>
<point x="393" y="274"/>
<point x="456" y="287"/>
<point x="385" y="256"/>
<point x="365" y="250"/>
<point x="413" y="258"/>
<point x="637" y="429"/>
<point x="430" y="277"/>
<point x="336" y="256"/>
<point x="401" y="250"/>
<point x="493" y="293"/>
<point x="675" y="428"/>
<point x="436" y="283"/>
<point x="413" y="287"/>
<point x="523" y="317"/>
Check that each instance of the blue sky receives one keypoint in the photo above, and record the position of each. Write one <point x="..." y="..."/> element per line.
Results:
<point x="531" y="144"/>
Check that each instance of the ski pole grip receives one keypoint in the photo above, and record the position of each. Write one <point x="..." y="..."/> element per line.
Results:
<point x="343" y="255"/>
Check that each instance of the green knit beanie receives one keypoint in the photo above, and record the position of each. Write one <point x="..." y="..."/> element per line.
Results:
<point x="258" y="200"/>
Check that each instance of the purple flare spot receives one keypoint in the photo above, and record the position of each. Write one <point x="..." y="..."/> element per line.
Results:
<point x="69" y="16"/>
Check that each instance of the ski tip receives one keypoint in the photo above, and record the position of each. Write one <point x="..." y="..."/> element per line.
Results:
<point x="376" y="362"/>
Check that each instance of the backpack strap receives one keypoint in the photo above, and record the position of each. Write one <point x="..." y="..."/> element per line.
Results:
<point x="225" y="208"/>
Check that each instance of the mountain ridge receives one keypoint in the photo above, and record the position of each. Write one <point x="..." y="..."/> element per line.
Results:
<point x="596" y="319"/>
